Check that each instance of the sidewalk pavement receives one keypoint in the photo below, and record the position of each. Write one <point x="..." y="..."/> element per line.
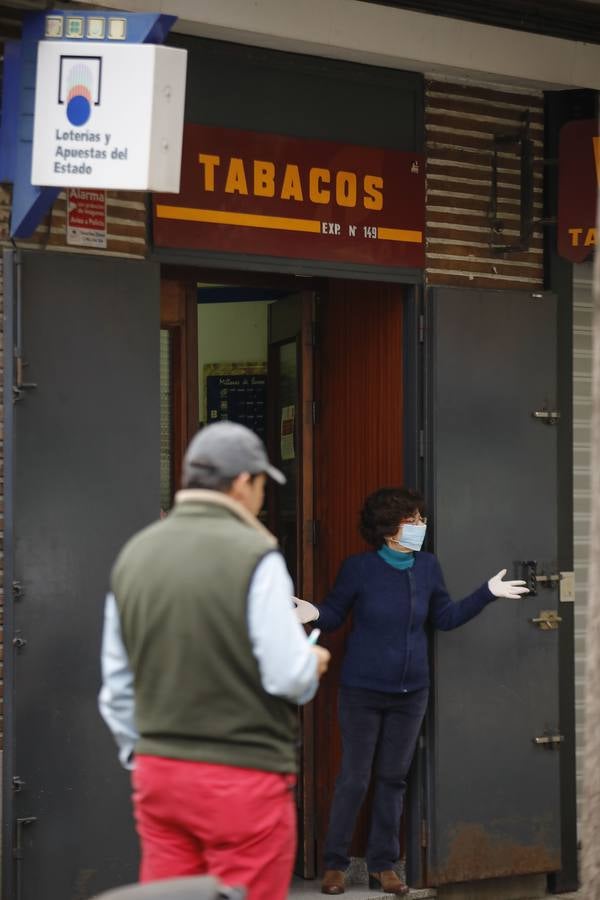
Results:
<point x="357" y="889"/>
<point x="311" y="890"/>
<point x="356" y="885"/>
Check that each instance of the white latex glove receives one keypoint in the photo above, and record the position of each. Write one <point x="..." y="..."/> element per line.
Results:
<point x="305" y="611"/>
<point x="512" y="590"/>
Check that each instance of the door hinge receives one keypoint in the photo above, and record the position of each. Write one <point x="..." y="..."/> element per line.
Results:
<point x="21" y="386"/>
<point x="21" y="824"/>
<point x="17" y="590"/>
<point x="550" y="741"/>
<point x="313" y="532"/>
<point x="424" y="833"/>
<point x="421" y="443"/>
<point x="17" y="784"/>
<point x="421" y="327"/>
<point x="548" y="416"/>
<point x="314" y="337"/>
<point x="19" y="642"/>
<point x="315" y="412"/>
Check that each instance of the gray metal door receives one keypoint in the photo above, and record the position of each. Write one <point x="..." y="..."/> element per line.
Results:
<point x="82" y="474"/>
<point x="493" y="805"/>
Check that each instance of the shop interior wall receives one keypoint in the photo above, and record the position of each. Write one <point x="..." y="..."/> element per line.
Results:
<point x="230" y="333"/>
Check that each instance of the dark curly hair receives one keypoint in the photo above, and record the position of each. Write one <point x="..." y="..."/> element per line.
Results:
<point x="383" y="510"/>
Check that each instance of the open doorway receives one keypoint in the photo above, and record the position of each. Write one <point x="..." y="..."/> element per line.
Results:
<point x="318" y="373"/>
<point x="245" y="355"/>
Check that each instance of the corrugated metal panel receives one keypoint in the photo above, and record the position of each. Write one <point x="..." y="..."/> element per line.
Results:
<point x="461" y="122"/>
<point x="582" y="414"/>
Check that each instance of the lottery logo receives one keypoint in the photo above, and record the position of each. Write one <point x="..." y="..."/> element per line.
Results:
<point x="79" y="95"/>
<point x="79" y="87"/>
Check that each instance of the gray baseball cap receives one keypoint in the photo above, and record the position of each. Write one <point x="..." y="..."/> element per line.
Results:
<point x="224" y="450"/>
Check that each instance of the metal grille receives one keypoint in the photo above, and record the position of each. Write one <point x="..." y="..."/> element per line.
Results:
<point x="462" y="122"/>
<point x="166" y="421"/>
<point x="582" y="414"/>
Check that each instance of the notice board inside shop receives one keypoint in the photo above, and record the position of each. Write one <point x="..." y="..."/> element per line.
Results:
<point x="237" y="392"/>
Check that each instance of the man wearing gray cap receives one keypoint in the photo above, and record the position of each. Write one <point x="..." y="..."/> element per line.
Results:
<point x="202" y="663"/>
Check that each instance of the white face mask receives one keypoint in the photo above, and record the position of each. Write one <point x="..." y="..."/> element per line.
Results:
<point x="410" y="536"/>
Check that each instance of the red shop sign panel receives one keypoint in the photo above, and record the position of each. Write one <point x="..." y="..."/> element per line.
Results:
<point x="248" y="192"/>
<point x="578" y="181"/>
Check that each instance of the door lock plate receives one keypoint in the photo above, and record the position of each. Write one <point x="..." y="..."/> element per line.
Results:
<point x="567" y="587"/>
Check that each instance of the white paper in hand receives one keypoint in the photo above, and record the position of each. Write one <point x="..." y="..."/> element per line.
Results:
<point x="304" y="611"/>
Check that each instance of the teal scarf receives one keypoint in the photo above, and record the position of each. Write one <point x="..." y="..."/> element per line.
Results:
<point x="395" y="559"/>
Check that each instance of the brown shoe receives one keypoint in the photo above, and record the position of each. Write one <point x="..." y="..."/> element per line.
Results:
<point x="333" y="882"/>
<point x="387" y="881"/>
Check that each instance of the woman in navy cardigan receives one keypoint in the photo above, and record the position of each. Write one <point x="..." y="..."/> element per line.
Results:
<point x="393" y="591"/>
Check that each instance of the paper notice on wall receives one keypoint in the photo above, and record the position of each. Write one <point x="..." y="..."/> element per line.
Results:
<point x="288" y="415"/>
<point x="86" y="218"/>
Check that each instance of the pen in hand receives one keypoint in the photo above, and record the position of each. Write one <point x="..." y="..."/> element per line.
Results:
<point x="314" y="636"/>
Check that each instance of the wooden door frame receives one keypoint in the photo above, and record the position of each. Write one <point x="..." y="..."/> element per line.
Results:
<point x="179" y="316"/>
<point x="305" y="502"/>
<point x="307" y="517"/>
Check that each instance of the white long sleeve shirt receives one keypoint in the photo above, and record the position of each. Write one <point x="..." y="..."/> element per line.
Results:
<point x="287" y="665"/>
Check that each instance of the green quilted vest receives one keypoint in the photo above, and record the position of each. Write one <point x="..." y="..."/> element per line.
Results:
<point x="181" y="587"/>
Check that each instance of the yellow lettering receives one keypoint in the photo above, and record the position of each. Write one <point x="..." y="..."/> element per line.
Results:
<point x="264" y="178"/>
<point x="316" y="192"/>
<point x="373" y="187"/>
<point x="265" y="183"/>
<point x="236" y="177"/>
<point x="210" y="163"/>
<point x="291" y="189"/>
<point x="590" y="238"/>
<point x="575" y="236"/>
<point x="345" y="189"/>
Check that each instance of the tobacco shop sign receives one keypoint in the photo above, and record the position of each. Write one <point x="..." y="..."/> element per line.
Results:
<point x="258" y="193"/>
<point x="578" y="182"/>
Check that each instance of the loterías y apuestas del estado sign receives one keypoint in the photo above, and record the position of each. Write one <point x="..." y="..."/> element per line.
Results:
<point x="108" y="116"/>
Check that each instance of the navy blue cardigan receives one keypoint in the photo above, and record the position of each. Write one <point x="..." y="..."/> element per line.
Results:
<point x="387" y="647"/>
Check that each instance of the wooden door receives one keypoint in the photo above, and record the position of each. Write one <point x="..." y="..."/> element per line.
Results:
<point x="290" y="507"/>
<point x="358" y="448"/>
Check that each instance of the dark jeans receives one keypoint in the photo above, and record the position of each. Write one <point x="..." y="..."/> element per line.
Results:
<point x="377" y="728"/>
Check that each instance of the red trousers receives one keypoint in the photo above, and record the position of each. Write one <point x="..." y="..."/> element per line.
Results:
<point x="197" y="818"/>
